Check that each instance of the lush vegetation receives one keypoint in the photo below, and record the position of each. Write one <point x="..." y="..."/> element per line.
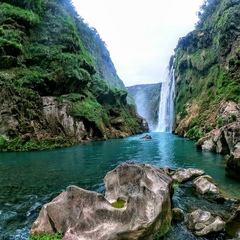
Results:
<point x="46" y="49"/>
<point x="56" y="236"/>
<point x="207" y="65"/>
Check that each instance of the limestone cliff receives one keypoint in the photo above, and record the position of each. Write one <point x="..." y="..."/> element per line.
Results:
<point x="207" y="75"/>
<point x="146" y="98"/>
<point x="58" y="83"/>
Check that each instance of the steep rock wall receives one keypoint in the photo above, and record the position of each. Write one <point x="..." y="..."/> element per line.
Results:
<point x="207" y="74"/>
<point x="58" y="83"/>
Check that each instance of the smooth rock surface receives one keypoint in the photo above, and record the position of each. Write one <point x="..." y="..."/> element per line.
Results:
<point x="185" y="174"/>
<point x="84" y="215"/>
<point x="205" y="185"/>
<point x="202" y="223"/>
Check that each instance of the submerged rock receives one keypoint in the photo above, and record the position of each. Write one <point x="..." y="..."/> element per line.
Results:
<point x="146" y="137"/>
<point x="145" y="208"/>
<point x="177" y="214"/>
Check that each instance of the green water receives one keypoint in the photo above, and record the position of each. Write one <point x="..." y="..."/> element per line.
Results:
<point x="30" y="179"/>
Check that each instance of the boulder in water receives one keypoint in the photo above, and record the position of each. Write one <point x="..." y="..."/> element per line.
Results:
<point x="185" y="174"/>
<point x="136" y="205"/>
<point x="202" y="223"/>
<point x="205" y="185"/>
<point x="146" y="137"/>
<point x="233" y="163"/>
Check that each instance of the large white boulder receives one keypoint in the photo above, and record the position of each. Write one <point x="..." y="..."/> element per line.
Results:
<point x="140" y="194"/>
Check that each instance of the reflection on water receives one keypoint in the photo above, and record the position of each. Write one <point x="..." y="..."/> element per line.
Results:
<point x="30" y="179"/>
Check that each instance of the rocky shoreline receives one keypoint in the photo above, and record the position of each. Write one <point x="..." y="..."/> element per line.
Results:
<point x="139" y="203"/>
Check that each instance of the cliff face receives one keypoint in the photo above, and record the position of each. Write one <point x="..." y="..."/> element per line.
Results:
<point x="146" y="98"/>
<point x="58" y="83"/>
<point x="207" y="74"/>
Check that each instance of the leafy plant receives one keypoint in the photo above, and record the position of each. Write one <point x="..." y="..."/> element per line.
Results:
<point x="56" y="236"/>
<point x="24" y="17"/>
<point x="175" y="186"/>
<point x="233" y="117"/>
<point x="220" y="122"/>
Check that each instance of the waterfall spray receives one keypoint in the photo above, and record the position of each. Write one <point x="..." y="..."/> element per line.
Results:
<point x="166" y="105"/>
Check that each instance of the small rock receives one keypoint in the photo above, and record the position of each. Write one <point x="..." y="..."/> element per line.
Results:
<point x="183" y="175"/>
<point x="205" y="185"/>
<point x="177" y="214"/>
<point x="203" y="223"/>
<point x="146" y="137"/>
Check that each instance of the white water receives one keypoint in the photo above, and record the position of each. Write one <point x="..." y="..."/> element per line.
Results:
<point x="166" y="105"/>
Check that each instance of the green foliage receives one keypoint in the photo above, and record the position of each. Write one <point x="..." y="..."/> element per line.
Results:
<point x="233" y="117"/>
<point x="2" y="142"/>
<point x="166" y="225"/>
<point x="206" y="10"/>
<point x="91" y="110"/>
<point x="21" y="16"/>
<point x="175" y="186"/>
<point x="31" y="77"/>
<point x="220" y="122"/>
<point x="56" y="236"/>
<point x="46" y="49"/>
<point x="75" y="97"/>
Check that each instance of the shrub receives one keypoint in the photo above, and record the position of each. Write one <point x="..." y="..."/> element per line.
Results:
<point x="233" y="117"/>
<point x="220" y="122"/>
<point x="24" y="17"/>
<point x="56" y="236"/>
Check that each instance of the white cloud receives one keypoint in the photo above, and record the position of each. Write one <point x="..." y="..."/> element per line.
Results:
<point x="140" y="34"/>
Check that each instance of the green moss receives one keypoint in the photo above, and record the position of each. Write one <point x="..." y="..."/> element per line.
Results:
<point x="2" y="142"/>
<point x="220" y="122"/>
<point x="56" y="236"/>
<point x="166" y="225"/>
<point x="233" y="117"/>
<point x="24" y="17"/>
<point x="47" y="50"/>
<point x="120" y="203"/>
<point x="91" y="110"/>
<point x="21" y="144"/>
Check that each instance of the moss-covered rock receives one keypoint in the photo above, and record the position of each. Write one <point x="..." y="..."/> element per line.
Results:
<point x="207" y="69"/>
<point x="50" y="59"/>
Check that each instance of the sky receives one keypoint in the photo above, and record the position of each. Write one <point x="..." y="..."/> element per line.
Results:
<point x="140" y="34"/>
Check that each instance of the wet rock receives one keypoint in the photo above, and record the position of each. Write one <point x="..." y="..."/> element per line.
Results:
<point x="144" y="125"/>
<point x="183" y="175"/>
<point x="117" y="120"/>
<point x="202" y="223"/>
<point x="224" y="139"/>
<point x="177" y="214"/>
<point x="233" y="164"/>
<point x="205" y="185"/>
<point x="146" y="137"/>
<point x="142" y="193"/>
<point x="233" y="225"/>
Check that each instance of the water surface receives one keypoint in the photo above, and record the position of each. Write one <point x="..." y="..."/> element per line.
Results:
<point x="30" y="179"/>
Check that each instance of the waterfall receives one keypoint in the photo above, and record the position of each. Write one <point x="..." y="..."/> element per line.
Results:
<point x="166" y="105"/>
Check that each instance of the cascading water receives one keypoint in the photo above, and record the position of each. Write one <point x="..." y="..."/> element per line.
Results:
<point x="166" y="106"/>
